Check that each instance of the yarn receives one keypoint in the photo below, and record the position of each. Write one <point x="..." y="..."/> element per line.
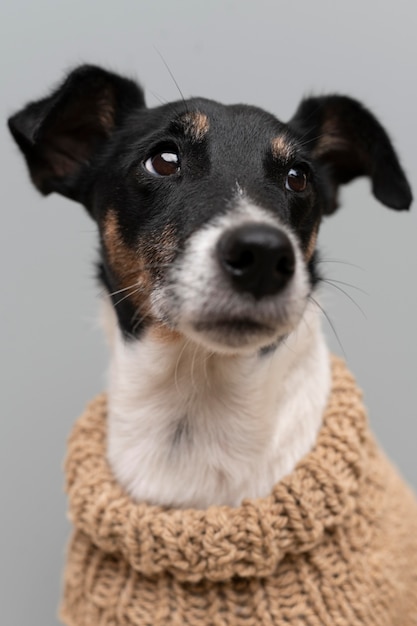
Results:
<point x="334" y="544"/>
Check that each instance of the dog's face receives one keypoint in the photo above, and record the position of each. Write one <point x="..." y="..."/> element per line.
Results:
<point x="208" y="214"/>
<point x="211" y="213"/>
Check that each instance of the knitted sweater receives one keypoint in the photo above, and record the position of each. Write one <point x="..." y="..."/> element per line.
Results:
<point x="334" y="544"/>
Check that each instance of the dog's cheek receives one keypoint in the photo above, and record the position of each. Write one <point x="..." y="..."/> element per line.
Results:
<point x="159" y="251"/>
<point x="305" y="223"/>
<point x="162" y="334"/>
<point x="311" y="244"/>
<point x="127" y="265"/>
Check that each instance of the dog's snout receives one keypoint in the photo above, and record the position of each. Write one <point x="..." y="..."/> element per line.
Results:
<point x="258" y="258"/>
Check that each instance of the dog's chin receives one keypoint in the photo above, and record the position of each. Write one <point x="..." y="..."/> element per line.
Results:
<point x="235" y="335"/>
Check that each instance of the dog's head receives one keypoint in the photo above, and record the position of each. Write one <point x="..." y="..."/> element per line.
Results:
<point x="208" y="214"/>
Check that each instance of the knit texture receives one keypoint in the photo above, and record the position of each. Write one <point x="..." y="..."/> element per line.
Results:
<point x="334" y="544"/>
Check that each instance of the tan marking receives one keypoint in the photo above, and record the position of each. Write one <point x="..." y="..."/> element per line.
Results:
<point x="282" y="148"/>
<point x="311" y="244"/>
<point x="196" y="124"/>
<point x="127" y="264"/>
<point x="162" y="333"/>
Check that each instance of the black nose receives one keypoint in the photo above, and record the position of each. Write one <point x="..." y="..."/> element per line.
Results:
<point x="258" y="258"/>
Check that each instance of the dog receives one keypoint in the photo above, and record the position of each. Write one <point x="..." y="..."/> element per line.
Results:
<point x="208" y="217"/>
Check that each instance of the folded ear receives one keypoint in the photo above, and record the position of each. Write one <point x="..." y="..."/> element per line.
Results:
<point x="341" y="133"/>
<point x="61" y="134"/>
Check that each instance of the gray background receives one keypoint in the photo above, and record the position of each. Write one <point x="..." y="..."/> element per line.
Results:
<point x="53" y="355"/>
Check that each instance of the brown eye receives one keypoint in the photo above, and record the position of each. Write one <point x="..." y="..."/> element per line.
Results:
<point x="163" y="164"/>
<point x="296" y="180"/>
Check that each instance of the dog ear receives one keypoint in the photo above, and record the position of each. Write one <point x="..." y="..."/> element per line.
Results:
<point x="344" y="135"/>
<point x="60" y="135"/>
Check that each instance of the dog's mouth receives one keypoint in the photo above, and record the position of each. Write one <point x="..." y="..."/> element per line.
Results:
<point x="230" y="331"/>
<point x="233" y="325"/>
<point x="234" y="332"/>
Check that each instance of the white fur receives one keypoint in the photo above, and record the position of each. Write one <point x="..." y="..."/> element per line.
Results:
<point x="249" y="419"/>
<point x="205" y="420"/>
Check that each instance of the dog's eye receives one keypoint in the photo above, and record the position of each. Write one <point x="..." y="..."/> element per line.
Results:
<point x="296" y="180"/>
<point x="163" y="164"/>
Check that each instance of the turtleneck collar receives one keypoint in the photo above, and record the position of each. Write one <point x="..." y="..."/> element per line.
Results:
<point x="221" y="542"/>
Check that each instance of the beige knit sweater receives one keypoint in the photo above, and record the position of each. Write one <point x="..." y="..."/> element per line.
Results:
<point x="335" y="544"/>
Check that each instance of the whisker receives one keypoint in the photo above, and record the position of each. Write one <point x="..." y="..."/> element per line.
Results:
<point x="137" y="316"/>
<point x="342" y="262"/>
<point x="137" y="290"/>
<point x="172" y="76"/>
<point x="177" y="365"/>
<point x="342" y="282"/>
<point x="114" y="293"/>
<point x="346" y="294"/>
<point x="192" y="369"/>
<point x="138" y="322"/>
<point x="157" y="97"/>
<point x="307" y="141"/>
<point x="205" y="361"/>
<point x="330" y="324"/>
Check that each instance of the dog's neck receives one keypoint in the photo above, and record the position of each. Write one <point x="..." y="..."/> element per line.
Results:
<point x="189" y="428"/>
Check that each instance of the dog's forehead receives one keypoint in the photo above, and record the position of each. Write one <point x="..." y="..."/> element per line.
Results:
<point x="229" y="125"/>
